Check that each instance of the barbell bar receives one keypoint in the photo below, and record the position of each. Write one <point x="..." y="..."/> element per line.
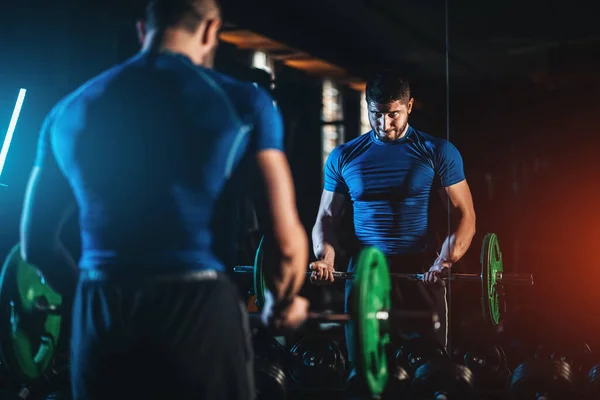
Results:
<point x="381" y="315"/>
<point x="41" y="305"/>
<point x="492" y="277"/>
<point x="515" y="279"/>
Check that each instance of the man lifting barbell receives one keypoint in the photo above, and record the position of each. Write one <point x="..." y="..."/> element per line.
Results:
<point x="372" y="320"/>
<point x="388" y="175"/>
<point x="155" y="150"/>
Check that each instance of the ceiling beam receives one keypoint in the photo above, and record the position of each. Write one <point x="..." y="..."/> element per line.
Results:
<point x="293" y="58"/>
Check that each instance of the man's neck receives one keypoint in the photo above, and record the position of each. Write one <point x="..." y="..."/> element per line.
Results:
<point x="171" y="42"/>
<point x="405" y="131"/>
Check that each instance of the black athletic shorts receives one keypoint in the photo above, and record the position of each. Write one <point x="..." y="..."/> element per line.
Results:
<point x="169" y="337"/>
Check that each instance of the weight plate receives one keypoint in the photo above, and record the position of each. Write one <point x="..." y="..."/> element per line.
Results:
<point x="28" y="338"/>
<point x="491" y="267"/>
<point x="371" y="294"/>
<point x="259" y="278"/>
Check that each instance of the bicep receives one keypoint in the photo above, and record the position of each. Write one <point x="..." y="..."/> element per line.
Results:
<point x="269" y="176"/>
<point x="48" y="197"/>
<point x="48" y="203"/>
<point x="449" y="165"/>
<point x="267" y="124"/>
<point x="458" y="198"/>
<point x="331" y="205"/>
<point x="276" y="177"/>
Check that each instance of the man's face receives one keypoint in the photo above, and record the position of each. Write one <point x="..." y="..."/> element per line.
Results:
<point x="389" y="120"/>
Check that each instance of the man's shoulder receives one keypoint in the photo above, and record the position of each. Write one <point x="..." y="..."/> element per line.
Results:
<point x="353" y="144"/>
<point x="345" y="152"/>
<point x="245" y="96"/>
<point x="238" y="90"/>
<point x="434" y="143"/>
<point x="91" y="88"/>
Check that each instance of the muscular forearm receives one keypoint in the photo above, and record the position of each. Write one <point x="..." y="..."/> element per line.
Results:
<point x="456" y="245"/>
<point x="324" y="240"/>
<point x="294" y="262"/>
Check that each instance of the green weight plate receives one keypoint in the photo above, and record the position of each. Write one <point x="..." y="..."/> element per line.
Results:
<point x="370" y="294"/>
<point x="28" y="339"/>
<point x="259" y="278"/>
<point x="491" y="266"/>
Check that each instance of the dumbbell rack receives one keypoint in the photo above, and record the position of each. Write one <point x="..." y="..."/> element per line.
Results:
<point x="493" y="377"/>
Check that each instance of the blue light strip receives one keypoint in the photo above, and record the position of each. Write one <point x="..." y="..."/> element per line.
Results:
<point x="11" y="128"/>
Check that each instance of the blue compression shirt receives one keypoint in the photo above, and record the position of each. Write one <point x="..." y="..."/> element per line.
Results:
<point x="390" y="184"/>
<point x="155" y="152"/>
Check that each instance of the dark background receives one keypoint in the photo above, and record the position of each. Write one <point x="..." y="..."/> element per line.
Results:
<point x="523" y="110"/>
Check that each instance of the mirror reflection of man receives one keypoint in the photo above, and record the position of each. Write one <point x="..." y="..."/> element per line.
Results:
<point x="388" y="176"/>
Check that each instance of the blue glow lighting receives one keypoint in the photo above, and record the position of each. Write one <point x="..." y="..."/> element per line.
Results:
<point x="11" y="128"/>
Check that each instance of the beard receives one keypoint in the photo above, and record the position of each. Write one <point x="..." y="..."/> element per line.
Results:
<point x="392" y="136"/>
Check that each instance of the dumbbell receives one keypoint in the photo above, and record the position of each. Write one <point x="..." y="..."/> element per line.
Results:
<point x="270" y="382"/>
<point x="435" y="376"/>
<point x="415" y="352"/>
<point x="267" y="349"/>
<point x="577" y="354"/>
<point x="317" y="362"/>
<point x="543" y="379"/>
<point x="442" y="379"/>
<point x="398" y="386"/>
<point x="486" y="360"/>
<point x="269" y="367"/>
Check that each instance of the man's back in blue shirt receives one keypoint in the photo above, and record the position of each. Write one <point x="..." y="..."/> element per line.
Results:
<point x="155" y="151"/>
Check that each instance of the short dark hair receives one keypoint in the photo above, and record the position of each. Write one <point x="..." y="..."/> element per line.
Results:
<point x="387" y="87"/>
<point x="187" y="14"/>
